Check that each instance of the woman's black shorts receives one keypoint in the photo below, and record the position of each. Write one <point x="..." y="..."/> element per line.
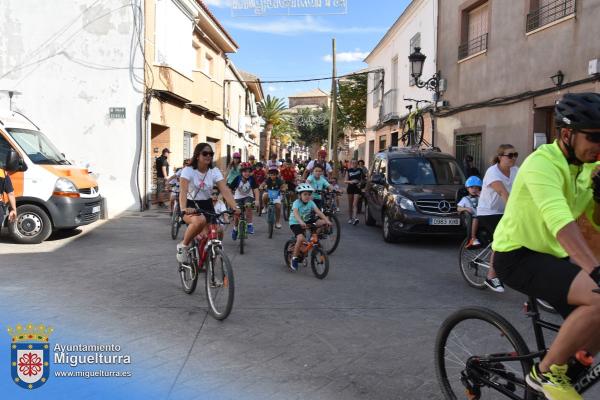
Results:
<point x="204" y="205"/>
<point x="353" y="189"/>
<point x="489" y="223"/>
<point x="539" y="275"/>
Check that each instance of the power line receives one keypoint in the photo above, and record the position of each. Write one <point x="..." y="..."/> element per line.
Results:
<point x="307" y="80"/>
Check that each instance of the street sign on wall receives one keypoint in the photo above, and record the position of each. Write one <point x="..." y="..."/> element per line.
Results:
<point x="116" y="112"/>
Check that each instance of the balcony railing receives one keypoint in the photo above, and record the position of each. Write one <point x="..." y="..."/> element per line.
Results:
<point x="549" y="13"/>
<point x="473" y="46"/>
<point x="390" y="105"/>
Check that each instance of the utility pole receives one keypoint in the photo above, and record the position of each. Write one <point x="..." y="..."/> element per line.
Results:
<point x="333" y="119"/>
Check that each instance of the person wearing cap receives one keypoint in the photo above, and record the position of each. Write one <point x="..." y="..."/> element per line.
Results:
<point x="233" y="171"/>
<point x="322" y="161"/>
<point x="251" y="159"/>
<point x="162" y="176"/>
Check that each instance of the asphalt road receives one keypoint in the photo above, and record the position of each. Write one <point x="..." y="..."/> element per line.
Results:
<point x="366" y="331"/>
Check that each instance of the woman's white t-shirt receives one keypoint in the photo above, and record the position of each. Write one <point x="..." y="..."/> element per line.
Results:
<point x="201" y="184"/>
<point x="490" y="202"/>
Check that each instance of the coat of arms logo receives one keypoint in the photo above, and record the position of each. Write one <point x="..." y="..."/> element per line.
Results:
<point x="30" y="355"/>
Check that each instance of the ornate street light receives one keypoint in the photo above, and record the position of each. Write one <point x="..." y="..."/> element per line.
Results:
<point x="417" y="60"/>
<point x="558" y="78"/>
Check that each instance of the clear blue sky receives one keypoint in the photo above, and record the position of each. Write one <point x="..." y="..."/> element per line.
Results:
<point x="295" y="47"/>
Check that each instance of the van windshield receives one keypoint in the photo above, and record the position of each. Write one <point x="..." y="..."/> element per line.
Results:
<point x="423" y="171"/>
<point x="37" y="146"/>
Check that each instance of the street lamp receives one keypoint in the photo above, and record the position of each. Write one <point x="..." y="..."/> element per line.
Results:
<point x="417" y="60"/>
<point x="558" y="78"/>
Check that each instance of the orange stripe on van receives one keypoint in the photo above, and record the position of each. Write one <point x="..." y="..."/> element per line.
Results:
<point x="79" y="176"/>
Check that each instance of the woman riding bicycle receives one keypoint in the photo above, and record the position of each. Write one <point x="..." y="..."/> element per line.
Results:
<point x="540" y="250"/>
<point x="196" y="184"/>
<point x="497" y="184"/>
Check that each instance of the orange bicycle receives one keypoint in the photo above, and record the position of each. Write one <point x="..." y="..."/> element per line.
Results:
<point x="319" y="262"/>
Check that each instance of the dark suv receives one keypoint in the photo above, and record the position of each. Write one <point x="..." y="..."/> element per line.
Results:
<point x="413" y="192"/>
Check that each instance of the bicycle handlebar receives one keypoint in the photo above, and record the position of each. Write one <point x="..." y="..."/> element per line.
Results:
<point x="416" y="101"/>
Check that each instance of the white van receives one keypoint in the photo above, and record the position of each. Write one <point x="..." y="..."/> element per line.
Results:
<point x="51" y="193"/>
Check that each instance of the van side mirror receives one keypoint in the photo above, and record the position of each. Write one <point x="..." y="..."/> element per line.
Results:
<point x="378" y="179"/>
<point x="14" y="162"/>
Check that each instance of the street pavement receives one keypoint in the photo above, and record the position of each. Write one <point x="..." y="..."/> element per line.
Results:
<point x="366" y="331"/>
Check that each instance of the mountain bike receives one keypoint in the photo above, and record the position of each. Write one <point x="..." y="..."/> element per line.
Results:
<point x="474" y="261"/>
<point x="329" y="235"/>
<point x="479" y="352"/>
<point x="273" y="195"/>
<point x="176" y="220"/>
<point x="319" y="262"/>
<point x="207" y="256"/>
<point x="413" y="127"/>
<point x="242" y="226"/>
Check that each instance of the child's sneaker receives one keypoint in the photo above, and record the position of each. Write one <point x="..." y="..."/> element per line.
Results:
<point x="294" y="264"/>
<point x="474" y="242"/>
<point x="251" y="229"/>
<point x="355" y="222"/>
<point x="234" y="234"/>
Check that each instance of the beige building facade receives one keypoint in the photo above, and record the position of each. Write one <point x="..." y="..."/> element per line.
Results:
<point x="196" y="94"/>
<point x="511" y="55"/>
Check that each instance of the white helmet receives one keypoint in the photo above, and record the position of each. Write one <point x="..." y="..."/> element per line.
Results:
<point x="304" y="187"/>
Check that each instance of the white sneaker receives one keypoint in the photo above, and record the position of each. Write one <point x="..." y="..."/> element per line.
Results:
<point x="278" y="226"/>
<point x="264" y="210"/>
<point x="182" y="253"/>
<point x="351" y="221"/>
<point x="495" y="285"/>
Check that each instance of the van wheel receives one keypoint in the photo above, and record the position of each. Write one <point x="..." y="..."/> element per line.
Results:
<point x="369" y="221"/>
<point x="387" y="229"/>
<point x="32" y="226"/>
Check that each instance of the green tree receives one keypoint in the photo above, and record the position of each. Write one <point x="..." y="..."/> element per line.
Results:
<point x="352" y="103"/>
<point x="271" y="110"/>
<point x="313" y="125"/>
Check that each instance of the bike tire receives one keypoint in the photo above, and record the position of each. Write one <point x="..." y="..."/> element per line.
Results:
<point x="330" y="246"/>
<point x="189" y="281"/>
<point x="242" y="236"/>
<point x="506" y="330"/>
<point x="419" y="131"/>
<point x="467" y="270"/>
<point x="285" y="208"/>
<point x="175" y="221"/>
<point x="406" y="133"/>
<point x="223" y="284"/>
<point x="319" y="262"/>
<point x="271" y="220"/>
<point x="288" y="251"/>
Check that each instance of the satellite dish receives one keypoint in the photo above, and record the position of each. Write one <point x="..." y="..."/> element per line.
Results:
<point x="11" y="93"/>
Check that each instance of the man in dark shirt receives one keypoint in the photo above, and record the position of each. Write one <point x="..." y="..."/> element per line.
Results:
<point x="162" y="173"/>
<point x="7" y="191"/>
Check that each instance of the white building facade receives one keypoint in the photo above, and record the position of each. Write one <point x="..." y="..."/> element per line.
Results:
<point x="73" y="63"/>
<point x="388" y="87"/>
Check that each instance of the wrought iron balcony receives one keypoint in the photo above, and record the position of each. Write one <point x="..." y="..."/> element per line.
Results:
<point x="390" y="106"/>
<point x="549" y="13"/>
<point x="473" y="46"/>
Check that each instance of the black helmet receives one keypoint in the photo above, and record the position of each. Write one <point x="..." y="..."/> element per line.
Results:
<point x="578" y="111"/>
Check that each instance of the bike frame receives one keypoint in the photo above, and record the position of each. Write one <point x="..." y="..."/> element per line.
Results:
<point x="474" y="365"/>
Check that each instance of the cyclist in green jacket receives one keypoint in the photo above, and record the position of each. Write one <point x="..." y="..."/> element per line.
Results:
<point x="540" y="250"/>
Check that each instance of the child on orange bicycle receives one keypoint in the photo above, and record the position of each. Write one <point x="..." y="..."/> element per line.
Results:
<point x="304" y="211"/>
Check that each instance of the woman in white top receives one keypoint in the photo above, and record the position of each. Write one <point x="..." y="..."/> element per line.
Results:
<point x="497" y="184"/>
<point x="196" y="184"/>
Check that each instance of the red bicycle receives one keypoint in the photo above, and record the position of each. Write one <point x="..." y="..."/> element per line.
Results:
<point x="206" y="255"/>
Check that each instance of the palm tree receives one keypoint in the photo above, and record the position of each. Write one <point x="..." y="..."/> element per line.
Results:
<point x="270" y="109"/>
<point x="285" y="131"/>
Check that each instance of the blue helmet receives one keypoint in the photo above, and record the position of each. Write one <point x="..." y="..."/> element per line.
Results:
<point x="473" y="181"/>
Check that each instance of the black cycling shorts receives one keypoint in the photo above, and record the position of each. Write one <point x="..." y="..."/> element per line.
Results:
<point x="297" y="229"/>
<point x="243" y="201"/>
<point x="539" y="275"/>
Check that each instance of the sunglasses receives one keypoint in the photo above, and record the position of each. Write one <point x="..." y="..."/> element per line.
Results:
<point x="215" y="194"/>
<point x="592" y="137"/>
<point x="208" y="153"/>
<point x="511" y="155"/>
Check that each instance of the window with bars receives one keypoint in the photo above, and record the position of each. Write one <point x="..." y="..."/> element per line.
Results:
<point x="544" y="12"/>
<point x="475" y="31"/>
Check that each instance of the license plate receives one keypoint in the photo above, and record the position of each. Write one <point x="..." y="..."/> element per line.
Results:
<point x="95" y="209"/>
<point x="444" y="221"/>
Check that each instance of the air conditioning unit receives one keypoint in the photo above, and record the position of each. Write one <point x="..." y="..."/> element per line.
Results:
<point x="594" y="67"/>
